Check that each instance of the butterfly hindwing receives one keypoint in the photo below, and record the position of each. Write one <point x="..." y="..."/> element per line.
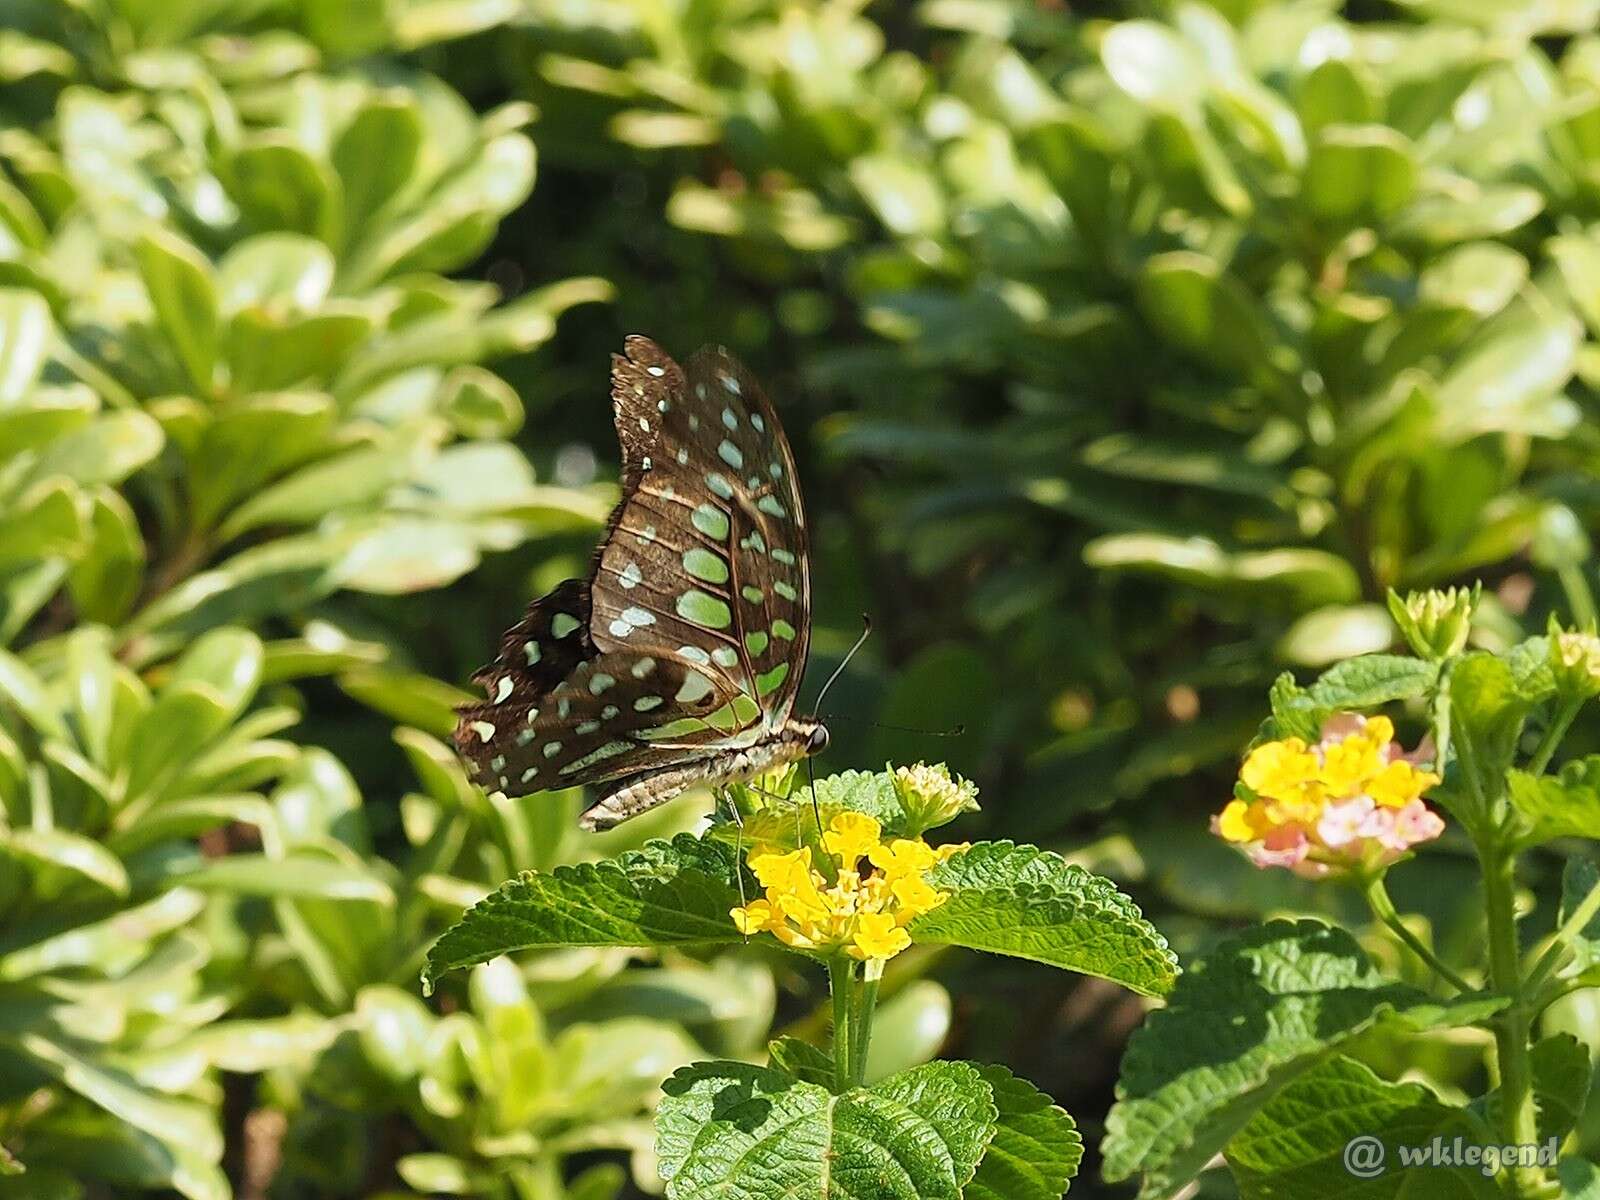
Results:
<point x="690" y="635"/>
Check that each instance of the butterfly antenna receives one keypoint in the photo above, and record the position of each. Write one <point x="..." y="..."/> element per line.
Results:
<point x="811" y="770"/>
<point x="953" y="731"/>
<point x="866" y="631"/>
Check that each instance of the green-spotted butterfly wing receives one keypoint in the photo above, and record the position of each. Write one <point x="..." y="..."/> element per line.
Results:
<point x="678" y="659"/>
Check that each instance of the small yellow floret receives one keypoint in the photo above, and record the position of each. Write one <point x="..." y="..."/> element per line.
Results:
<point x="877" y="936"/>
<point x="850" y="836"/>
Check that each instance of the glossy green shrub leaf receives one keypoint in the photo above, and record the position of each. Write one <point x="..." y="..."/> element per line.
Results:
<point x="25" y="332"/>
<point x="1359" y="173"/>
<point x="184" y="297"/>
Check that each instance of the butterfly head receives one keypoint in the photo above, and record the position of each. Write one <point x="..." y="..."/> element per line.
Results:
<point x="808" y="737"/>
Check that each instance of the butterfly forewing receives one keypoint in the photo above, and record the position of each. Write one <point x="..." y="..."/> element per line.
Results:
<point x="691" y="633"/>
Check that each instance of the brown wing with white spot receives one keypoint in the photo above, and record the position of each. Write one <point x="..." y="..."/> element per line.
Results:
<point x="691" y="632"/>
<point x="617" y="714"/>
<point x="709" y="558"/>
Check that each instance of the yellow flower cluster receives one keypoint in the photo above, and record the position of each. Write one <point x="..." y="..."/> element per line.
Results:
<point x="1353" y="797"/>
<point x="878" y="889"/>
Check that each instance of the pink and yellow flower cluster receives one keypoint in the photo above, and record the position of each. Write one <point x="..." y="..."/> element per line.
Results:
<point x="1354" y="799"/>
<point x="879" y="887"/>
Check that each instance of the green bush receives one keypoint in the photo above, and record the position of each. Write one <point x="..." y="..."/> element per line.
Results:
<point x="239" y="401"/>
<point x="1142" y="352"/>
<point x="1194" y="334"/>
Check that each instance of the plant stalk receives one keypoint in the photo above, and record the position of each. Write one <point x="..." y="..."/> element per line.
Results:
<point x="1383" y="908"/>
<point x="1518" y="1117"/>
<point x="872" y="973"/>
<point x="1552" y="737"/>
<point x="841" y="982"/>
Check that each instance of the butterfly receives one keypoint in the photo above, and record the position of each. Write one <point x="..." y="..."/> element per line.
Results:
<point x="675" y="663"/>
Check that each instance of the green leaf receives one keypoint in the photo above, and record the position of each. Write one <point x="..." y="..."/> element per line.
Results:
<point x="902" y="191"/>
<point x="479" y="404"/>
<point x="1557" y="806"/>
<point x="1293" y="990"/>
<point x="1359" y="174"/>
<point x="279" y="187"/>
<point x="1480" y="277"/>
<point x="1487" y="709"/>
<point x="227" y="661"/>
<point x="1561" y="1070"/>
<point x="58" y="850"/>
<point x="1373" y="680"/>
<point x="730" y="1129"/>
<point x="374" y="156"/>
<point x="1032" y="903"/>
<point x="1295" y="1145"/>
<point x="23" y="691"/>
<point x="295" y="875"/>
<point x="179" y="281"/>
<point x="408" y="697"/>
<point x="253" y="441"/>
<point x="349" y="479"/>
<point x="43" y="524"/>
<point x="26" y="331"/>
<point x="183" y="1123"/>
<point x="1300" y="577"/>
<point x="286" y="271"/>
<point x="803" y="1061"/>
<point x="1579" y="877"/>
<point x="1511" y="379"/>
<point x="1036" y="1147"/>
<point x="107" y="579"/>
<point x="1580" y="1179"/>
<point x="910" y="1026"/>
<point x="667" y="893"/>
<point x="94" y="944"/>
<point x="107" y="451"/>
<point x="1190" y="300"/>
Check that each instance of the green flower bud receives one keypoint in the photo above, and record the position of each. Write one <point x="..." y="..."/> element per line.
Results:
<point x="932" y="796"/>
<point x="1435" y="623"/>
<point x="1575" y="663"/>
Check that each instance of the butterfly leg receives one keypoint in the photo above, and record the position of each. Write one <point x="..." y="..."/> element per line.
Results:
<point x="723" y="794"/>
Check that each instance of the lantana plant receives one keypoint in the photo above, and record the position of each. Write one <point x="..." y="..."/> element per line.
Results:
<point x="1260" y="1054"/>
<point x="842" y="873"/>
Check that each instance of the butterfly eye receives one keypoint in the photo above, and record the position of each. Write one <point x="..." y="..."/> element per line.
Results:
<point x="818" y="741"/>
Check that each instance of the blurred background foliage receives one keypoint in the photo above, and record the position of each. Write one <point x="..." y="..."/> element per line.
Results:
<point x="1131" y="351"/>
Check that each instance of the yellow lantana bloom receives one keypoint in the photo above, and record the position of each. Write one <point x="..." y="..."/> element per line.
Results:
<point x="862" y="912"/>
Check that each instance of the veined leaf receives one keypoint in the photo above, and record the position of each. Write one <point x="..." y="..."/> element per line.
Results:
<point x="730" y="1129"/>
<point x="1027" y="902"/>
<point x="1295" y="1145"/>
<point x="1036" y="1147"/>
<point x="1293" y="990"/>
<point x="1557" y="806"/>
<point x="667" y="893"/>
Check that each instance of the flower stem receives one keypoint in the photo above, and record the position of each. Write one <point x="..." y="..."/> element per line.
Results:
<point x="1559" y="724"/>
<point x="1383" y="908"/>
<point x="1518" y="1117"/>
<point x="841" y="982"/>
<point x="872" y="972"/>
<point x="1569" y="932"/>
